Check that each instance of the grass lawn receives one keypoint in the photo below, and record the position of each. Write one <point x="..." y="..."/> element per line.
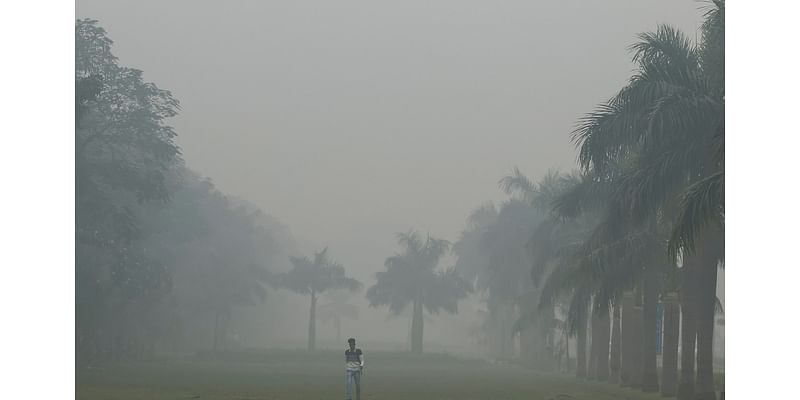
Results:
<point x="302" y="375"/>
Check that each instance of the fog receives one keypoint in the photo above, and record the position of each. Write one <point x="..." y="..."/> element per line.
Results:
<point x="458" y="150"/>
<point x="350" y="121"/>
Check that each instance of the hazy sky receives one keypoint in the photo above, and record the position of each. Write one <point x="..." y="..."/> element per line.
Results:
<point x="352" y="120"/>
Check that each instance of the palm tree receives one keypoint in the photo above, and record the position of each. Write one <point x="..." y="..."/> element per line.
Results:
<point x="508" y="273"/>
<point x="549" y="241"/>
<point x="552" y="245"/>
<point x="492" y="254"/>
<point x="339" y="308"/>
<point x="472" y="259"/>
<point x="313" y="278"/>
<point x="411" y="277"/>
<point x="475" y="254"/>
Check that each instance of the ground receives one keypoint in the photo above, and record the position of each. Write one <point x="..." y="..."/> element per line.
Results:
<point x="301" y="375"/>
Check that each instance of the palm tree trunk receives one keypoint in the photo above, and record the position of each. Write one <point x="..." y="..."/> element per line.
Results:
<point x="417" y="326"/>
<point x="547" y="343"/>
<point x="704" y="385"/>
<point x="669" y="369"/>
<point x="604" y="328"/>
<point x="649" y="315"/>
<point x="706" y="299"/>
<point x="312" y="323"/>
<point x="614" y="362"/>
<point x="637" y="345"/>
<point x="593" y="356"/>
<point x="580" y="370"/>
<point x="688" y="326"/>
<point x="632" y="346"/>
<point x="627" y="332"/>
<point x="566" y="352"/>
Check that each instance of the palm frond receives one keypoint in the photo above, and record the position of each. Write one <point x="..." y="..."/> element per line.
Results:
<point x="652" y="179"/>
<point x="669" y="95"/>
<point x="667" y="45"/>
<point x="482" y="216"/>
<point x="517" y="183"/>
<point x="579" y="197"/>
<point x="703" y="203"/>
<point x="315" y="276"/>
<point x="555" y="285"/>
<point x="712" y="51"/>
<point x="603" y="134"/>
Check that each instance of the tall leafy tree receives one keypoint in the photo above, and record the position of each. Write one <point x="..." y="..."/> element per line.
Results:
<point x="122" y="143"/>
<point x="123" y="148"/>
<point x="412" y="278"/>
<point x="313" y="277"/>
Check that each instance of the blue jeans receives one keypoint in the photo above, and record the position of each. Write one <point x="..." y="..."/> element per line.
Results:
<point x="353" y="378"/>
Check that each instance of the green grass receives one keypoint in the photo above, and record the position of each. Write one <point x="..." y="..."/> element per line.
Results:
<point x="301" y="375"/>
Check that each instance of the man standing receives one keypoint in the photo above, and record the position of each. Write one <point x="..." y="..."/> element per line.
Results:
<point x="354" y="361"/>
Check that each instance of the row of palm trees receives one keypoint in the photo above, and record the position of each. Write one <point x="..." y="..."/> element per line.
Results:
<point x="643" y="219"/>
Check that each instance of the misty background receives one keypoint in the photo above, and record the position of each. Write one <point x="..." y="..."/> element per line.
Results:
<point x="349" y="121"/>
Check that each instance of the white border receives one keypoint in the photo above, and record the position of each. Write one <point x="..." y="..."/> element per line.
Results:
<point x="38" y="198"/>
<point x="37" y="201"/>
<point x="761" y="217"/>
